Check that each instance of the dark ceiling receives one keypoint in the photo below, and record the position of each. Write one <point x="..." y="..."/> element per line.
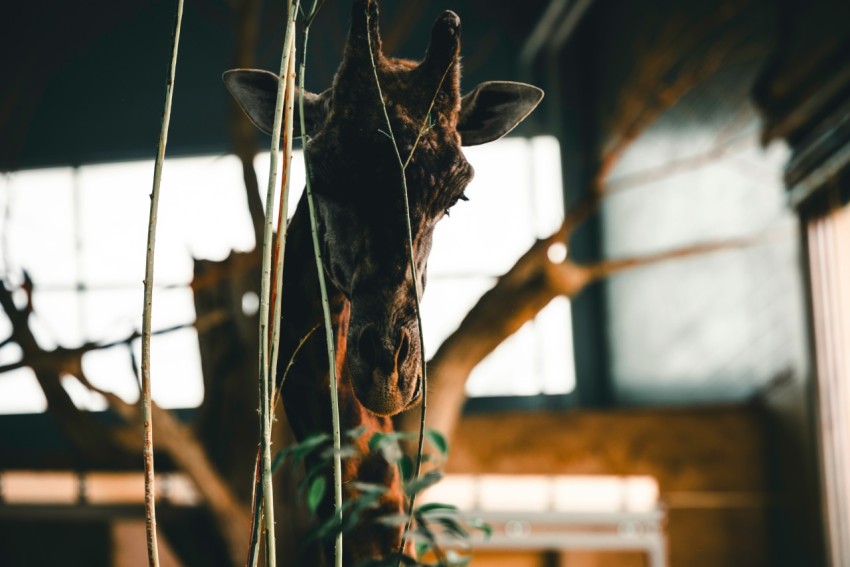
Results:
<point x="84" y="81"/>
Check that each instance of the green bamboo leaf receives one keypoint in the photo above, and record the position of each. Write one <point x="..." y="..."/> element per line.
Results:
<point x="392" y="452"/>
<point x="433" y="506"/>
<point x="419" y="484"/>
<point x="405" y="468"/>
<point x="423" y="546"/>
<point x="387" y="444"/>
<point x="368" y="487"/>
<point x="297" y="452"/>
<point x="316" y="492"/>
<point x="438" y="440"/>
<point x="317" y="469"/>
<point x="453" y="527"/>
<point x="345" y="452"/>
<point x="392" y="520"/>
<point x="376" y="440"/>
<point x="356" y="433"/>
<point x="379" y="439"/>
<point x="481" y="525"/>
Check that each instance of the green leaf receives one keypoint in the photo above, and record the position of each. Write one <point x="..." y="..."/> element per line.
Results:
<point x="379" y="439"/>
<point x="368" y="487"/>
<point x="299" y="451"/>
<point x="376" y="440"/>
<point x="419" y="484"/>
<point x="355" y="433"/>
<point x="405" y="468"/>
<point x="345" y="452"/>
<point x="322" y="466"/>
<point x="392" y="452"/>
<point x="423" y="546"/>
<point x="438" y="440"/>
<point x="432" y="506"/>
<point x="387" y="444"/>
<point x="453" y="527"/>
<point x="392" y="520"/>
<point x="481" y="525"/>
<point x="364" y="501"/>
<point x="316" y="492"/>
<point x="311" y="442"/>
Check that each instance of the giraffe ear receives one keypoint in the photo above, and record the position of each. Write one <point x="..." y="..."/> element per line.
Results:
<point x="256" y="93"/>
<point x="493" y="109"/>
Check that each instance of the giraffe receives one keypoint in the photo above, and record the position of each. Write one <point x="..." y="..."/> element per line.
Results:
<point x="363" y="233"/>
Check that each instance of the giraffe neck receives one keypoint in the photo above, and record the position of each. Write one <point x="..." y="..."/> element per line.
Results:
<point x="306" y="390"/>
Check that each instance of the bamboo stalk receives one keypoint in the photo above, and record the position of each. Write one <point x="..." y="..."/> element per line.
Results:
<point x="147" y="418"/>
<point x="283" y="214"/>
<point x="337" y="461"/>
<point x="266" y="372"/>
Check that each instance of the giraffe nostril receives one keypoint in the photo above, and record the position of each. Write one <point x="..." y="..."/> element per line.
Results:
<point x="367" y="345"/>
<point x="403" y="348"/>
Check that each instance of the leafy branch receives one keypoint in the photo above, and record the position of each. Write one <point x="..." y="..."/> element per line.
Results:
<point x="441" y="532"/>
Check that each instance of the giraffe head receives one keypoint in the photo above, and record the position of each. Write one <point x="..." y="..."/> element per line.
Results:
<point x="357" y="182"/>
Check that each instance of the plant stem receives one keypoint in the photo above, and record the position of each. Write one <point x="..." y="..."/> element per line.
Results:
<point x="324" y="291"/>
<point x="283" y="214"/>
<point x="266" y="371"/>
<point x="147" y="418"/>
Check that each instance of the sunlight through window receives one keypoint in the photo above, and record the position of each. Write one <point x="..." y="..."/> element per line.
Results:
<point x="85" y="253"/>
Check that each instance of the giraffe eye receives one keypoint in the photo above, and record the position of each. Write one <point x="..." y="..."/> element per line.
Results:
<point x="462" y="197"/>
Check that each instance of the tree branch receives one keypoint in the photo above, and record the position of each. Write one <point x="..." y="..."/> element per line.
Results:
<point x="515" y="299"/>
<point x="102" y="445"/>
<point x="62" y="359"/>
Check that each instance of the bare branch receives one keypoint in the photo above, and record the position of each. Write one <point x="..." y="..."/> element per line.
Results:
<point x="13" y="366"/>
<point x="717" y="152"/>
<point x="515" y="299"/>
<point x="62" y="358"/>
<point x="103" y="445"/>
<point x="87" y="436"/>
<point x="607" y="268"/>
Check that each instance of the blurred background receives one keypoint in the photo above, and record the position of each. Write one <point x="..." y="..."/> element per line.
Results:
<point x="677" y="392"/>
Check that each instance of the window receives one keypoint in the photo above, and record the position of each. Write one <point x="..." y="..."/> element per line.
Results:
<point x="80" y="235"/>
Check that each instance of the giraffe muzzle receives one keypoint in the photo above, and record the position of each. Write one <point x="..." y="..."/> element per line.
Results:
<point x="384" y="369"/>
